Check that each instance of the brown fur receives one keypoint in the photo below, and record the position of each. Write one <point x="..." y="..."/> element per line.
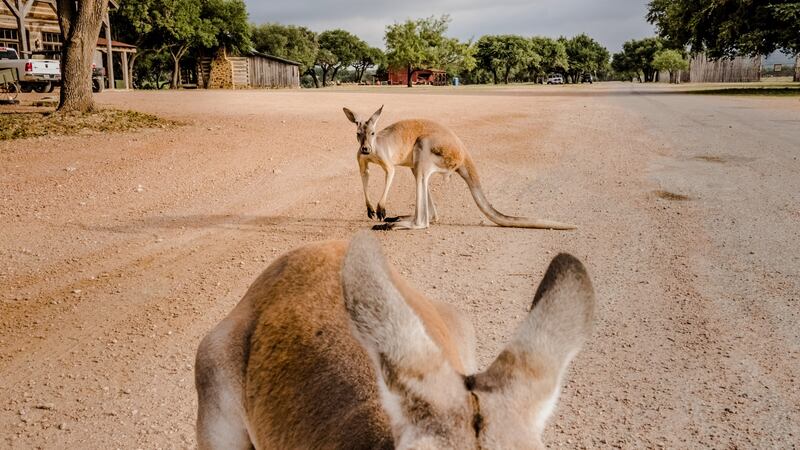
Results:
<point x="427" y="148"/>
<point x="322" y="342"/>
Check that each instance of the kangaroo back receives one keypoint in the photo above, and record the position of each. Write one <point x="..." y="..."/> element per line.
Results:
<point x="284" y="370"/>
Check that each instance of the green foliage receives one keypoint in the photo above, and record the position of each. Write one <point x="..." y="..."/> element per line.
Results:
<point x="366" y="57"/>
<point x="421" y="43"/>
<point x="724" y="28"/>
<point x="337" y="49"/>
<point x="225" y="24"/>
<point x="505" y="55"/>
<point x="671" y="60"/>
<point x="176" y="27"/>
<point x="585" y="56"/>
<point x="636" y="58"/>
<point x="553" y="53"/>
<point x="287" y="41"/>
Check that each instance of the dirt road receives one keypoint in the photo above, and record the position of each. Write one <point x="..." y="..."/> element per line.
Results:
<point x="118" y="252"/>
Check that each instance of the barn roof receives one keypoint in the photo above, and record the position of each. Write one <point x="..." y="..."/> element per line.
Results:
<point x="275" y="58"/>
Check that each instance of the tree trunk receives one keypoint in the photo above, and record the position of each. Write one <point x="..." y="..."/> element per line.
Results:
<point x="176" y="68"/>
<point x="325" y="75"/>
<point x="80" y="28"/>
<point x="494" y="75"/>
<point x="506" y="74"/>
<point x="797" y="69"/>
<point x="132" y="63"/>
<point x="333" y="75"/>
<point x="313" y="72"/>
<point x="410" y="74"/>
<point x="176" y="73"/>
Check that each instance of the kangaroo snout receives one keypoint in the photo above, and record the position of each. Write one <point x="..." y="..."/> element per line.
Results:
<point x="364" y="151"/>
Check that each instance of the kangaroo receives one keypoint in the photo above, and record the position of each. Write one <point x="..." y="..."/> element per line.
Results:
<point x="427" y="148"/>
<point x="331" y="348"/>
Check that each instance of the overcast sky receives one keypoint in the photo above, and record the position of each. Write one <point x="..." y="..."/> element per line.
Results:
<point x="612" y="22"/>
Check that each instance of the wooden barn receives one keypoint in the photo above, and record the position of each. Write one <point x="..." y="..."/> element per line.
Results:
<point x="31" y="26"/>
<point x="256" y="70"/>
<point x="432" y="77"/>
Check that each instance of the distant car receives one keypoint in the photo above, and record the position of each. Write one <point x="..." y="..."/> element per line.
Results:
<point x="587" y="78"/>
<point x="555" y="79"/>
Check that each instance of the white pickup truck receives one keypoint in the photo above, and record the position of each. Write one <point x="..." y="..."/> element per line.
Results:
<point x="40" y="75"/>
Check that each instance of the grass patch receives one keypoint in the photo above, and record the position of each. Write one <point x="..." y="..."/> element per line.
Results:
<point x="763" y="91"/>
<point x="21" y="125"/>
<point x="667" y="195"/>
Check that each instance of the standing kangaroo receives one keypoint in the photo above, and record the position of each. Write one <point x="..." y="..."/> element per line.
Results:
<point x="331" y="348"/>
<point x="427" y="148"/>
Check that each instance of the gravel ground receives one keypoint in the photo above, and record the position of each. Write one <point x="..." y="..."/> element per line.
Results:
<point x="119" y="251"/>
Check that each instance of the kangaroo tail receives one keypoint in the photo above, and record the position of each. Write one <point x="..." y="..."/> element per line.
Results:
<point x="470" y="174"/>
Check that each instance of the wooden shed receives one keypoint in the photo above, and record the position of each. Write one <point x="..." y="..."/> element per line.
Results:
<point x="433" y="77"/>
<point x="256" y="70"/>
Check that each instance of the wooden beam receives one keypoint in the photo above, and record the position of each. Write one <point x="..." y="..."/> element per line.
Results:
<point x="12" y="7"/>
<point x="109" y="53"/>
<point x="125" y="76"/>
<point x="26" y="7"/>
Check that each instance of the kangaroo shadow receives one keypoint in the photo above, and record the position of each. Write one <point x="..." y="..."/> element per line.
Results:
<point x="249" y="223"/>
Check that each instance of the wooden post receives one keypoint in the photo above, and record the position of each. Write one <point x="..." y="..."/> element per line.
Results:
<point x="20" y="10"/>
<point x="109" y="53"/>
<point x="125" y="77"/>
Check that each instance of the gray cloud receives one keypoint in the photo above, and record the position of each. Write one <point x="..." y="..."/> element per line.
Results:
<point x="612" y="22"/>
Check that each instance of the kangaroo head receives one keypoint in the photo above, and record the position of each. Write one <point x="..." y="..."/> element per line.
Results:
<point x="430" y="404"/>
<point x="366" y="131"/>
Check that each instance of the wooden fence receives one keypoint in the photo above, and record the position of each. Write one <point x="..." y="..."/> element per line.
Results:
<point x="736" y="70"/>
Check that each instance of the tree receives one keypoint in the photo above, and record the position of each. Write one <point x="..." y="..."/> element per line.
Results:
<point x="228" y="25"/>
<point x="179" y="26"/>
<point x="585" y="55"/>
<point x="454" y="56"/>
<point x="671" y="61"/>
<point x="133" y="23"/>
<point x="287" y="41"/>
<point x="414" y="44"/>
<point x="337" y="49"/>
<point x="728" y="28"/>
<point x="505" y="54"/>
<point x="553" y="53"/>
<point x="80" y="27"/>
<point x="636" y="58"/>
<point x="366" y="57"/>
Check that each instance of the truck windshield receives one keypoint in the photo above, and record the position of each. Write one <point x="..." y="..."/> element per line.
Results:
<point x="7" y="53"/>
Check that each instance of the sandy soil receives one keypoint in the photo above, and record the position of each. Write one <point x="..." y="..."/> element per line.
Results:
<point x="119" y="251"/>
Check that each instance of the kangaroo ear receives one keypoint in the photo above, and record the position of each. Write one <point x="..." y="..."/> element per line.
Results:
<point x="415" y="381"/>
<point x="533" y="363"/>
<point x="380" y="315"/>
<point x="374" y="119"/>
<point x="351" y="115"/>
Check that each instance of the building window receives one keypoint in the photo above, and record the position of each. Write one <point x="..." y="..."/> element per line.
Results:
<point x="9" y="38"/>
<point x="51" y="42"/>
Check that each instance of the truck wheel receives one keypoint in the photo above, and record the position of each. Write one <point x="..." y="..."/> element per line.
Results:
<point x="97" y="85"/>
<point x="43" y="87"/>
<point x="51" y="88"/>
<point x="25" y="87"/>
